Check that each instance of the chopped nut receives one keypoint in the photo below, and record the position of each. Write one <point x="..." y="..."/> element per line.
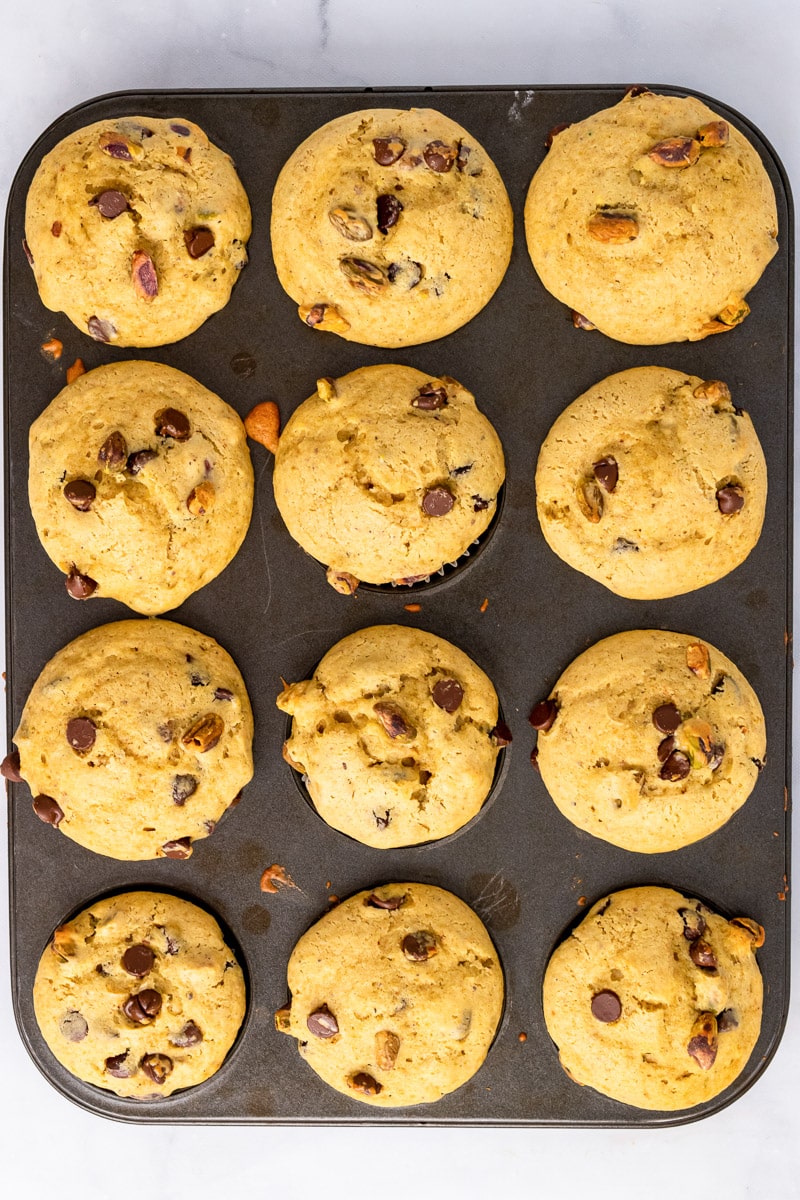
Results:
<point x="694" y="925"/>
<point x="675" y="152"/>
<point x="345" y="222"/>
<point x="324" y="317"/>
<point x="753" y="930"/>
<point x="698" y="660"/>
<point x="275" y="878"/>
<point x="590" y="500"/>
<point x="101" y="330"/>
<point x="714" y="390"/>
<point x="699" y="737"/>
<point x="715" y="133"/>
<point x="702" y="955"/>
<point x="204" y="733"/>
<point x="581" y="322"/>
<point x="703" y="1041"/>
<point x="53" y="348"/>
<point x="326" y="388"/>
<point x="201" y="499"/>
<point x="613" y="228"/>
<point x="342" y="581"/>
<point x="118" y="146"/>
<point x="263" y="424"/>
<point x="76" y="370"/>
<point x="365" y="276"/>
<point x="393" y="721"/>
<point x="387" y="1047"/>
<point x="143" y="274"/>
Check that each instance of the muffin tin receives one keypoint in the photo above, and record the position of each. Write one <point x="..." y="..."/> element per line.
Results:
<point x="528" y="872"/>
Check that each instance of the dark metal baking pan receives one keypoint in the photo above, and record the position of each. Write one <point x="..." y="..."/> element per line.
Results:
<point x="525" y="869"/>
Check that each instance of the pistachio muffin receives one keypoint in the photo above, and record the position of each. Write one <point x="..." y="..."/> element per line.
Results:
<point x="652" y="220"/>
<point x="654" y="999"/>
<point x="396" y="735"/>
<point x="652" y="483"/>
<point x="136" y="228"/>
<point x="390" y="227"/>
<point x="140" y="484"/>
<point x="386" y="474"/>
<point x="139" y="994"/>
<point x="396" y="995"/>
<point x="136" y="738"/>
<point x="650" y="740"/>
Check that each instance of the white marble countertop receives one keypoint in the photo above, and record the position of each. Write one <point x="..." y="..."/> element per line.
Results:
<point x="57" y="53"/>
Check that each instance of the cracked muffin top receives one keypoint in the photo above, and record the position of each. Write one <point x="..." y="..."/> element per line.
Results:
<point x="652" y="220"/>
<point x="654" y="999"/>
<point x="136" y="228"/>
<point x="386" y="474"/>
<point x="140" y="484"/>
<point x="390" y="227"/>
<point x="396" y="735"/>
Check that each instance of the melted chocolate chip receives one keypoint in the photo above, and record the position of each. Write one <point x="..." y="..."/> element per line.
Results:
<point x="138" y="960"/>
<point x="389" y="209"/>
<point x="181" y="130"/>
<point x="143" y="1007"/>
<point x="730" y="499"/>
<point x="726" y="1021"/>
<point x="388" y="903"/>
<point x="198" y="241"/>
<point x="120" y="1066"/>
<point x="665" y="748"/>
<point x="419" y="946"/>
<point x="702" y="955"/>
<point x="113" y="451"/>
<point x="81" y="734"/>
<point x="666" y="718"/>
<point x="322" y="1023"/>
<point x="183" y="786"/>
<point x="80" y="494"/>
<point x="156" y="1067"/>
<point x="676" y="767"/>
<point x="79" y="587"/>
<point x="190" y="1035"/>
<point x="139" y="459"/>
<point x="9" y="768"/>
<point x="543" y="715"/>
<point x="606" y="1006"/>
<point x="448" y="694"/>
<point x="501" y="735"/>
<point x="387" y="150"/>
<point x="430" y="398"/>
<point x="606" y="472"/>
<point x="361" y="1082"/>
<point x="439" y="157"/>
<point x="171" y="423"/>
<point x="438" y="502"/>
<point x="73" y="1026"/>
<point x="178" y="848"/>
<point x="222" y="693"/>
<point x="48" y="810"/>
<point x="110" y="204"/>
<point x="479" y="504"/>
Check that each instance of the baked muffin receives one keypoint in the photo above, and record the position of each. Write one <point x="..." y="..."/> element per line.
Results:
<point x="650" y="740"/>
<point x="140" y="994"/>
<point x="396" y="995"/>
<point x="652" y="220"/>
<point x="140" y="484"/>
<point x="386" y="474"/>
<point x="136" y="228"/>
<point x="652" y="483"/>
<point x="654" y="999"/>
<point x="396" y="735"/>
<point x="390" y="227"/>
<point x="136" y="738"/>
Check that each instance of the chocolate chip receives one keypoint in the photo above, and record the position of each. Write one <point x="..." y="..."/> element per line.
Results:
<point x="730" y="499"/>
<point x="389" y="209"/>
<point x="606" y="1006"/>
<point x="694" y="925"/>
<point x="554" y="132"/>
<point x="170" y="423"/>
<point x="139" y="459"/>
<point x="543" y="715"/>
<point x="181" y="130"/>
<point x="501" y="735"/>
<point x="388" y="903"/>
<point x="323" y="1023"/>
<point x="462" y="159"/>
<point x="407" y="273"/>
<point x="110" y="204"/>
<point x="439" y="156"/>
<point x="638" y="89"/>
<point x="143" y="1007"/>
<point x="315" y="314"/>
<point x="81" y="733"/>
<point x="702" y="1045"/>
<point x="199" y="681"/>
<point x="183" y="786"/>
<point x="119" y="1066"/>
<point x="438" y="501"/>
<point x="702" y="955"/>
<point x="726" y="1021"/>
<point x="73" y="1026"/>
<point x="361" y="1082"/>
<point x="387" y="150"/>
<point x="430" y="398"/>
<point x="27" y="250"/>
<point x="178" y="848"/>
<point x="665" y="748"/>
<point x="666" y="718"/>
<point x="190" y="1035"/>
<point x="676" y="767"/>
<point x="419" y="946"/>
<point x="462" y="470"/>
<point x="606" y="472"/>
<point x="114" y="450"/>
<point x="198" y="241"/>
<point x="80" y="587"/>
<point x="9" y="767"/>
<point x="393" y="721"/>
<point x="448" y="694"/>
<point x="156" y="1067"/>
<point x="48" y="810"/>
<point x="479" y="504"/>
<point x="138" y="960"/>
<point x="222" y="693"/>
<point x="535" y="760"/>
<point x="100" y="330"/>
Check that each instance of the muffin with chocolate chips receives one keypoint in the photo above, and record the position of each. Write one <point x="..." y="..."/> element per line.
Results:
<point x="654" y="999"/>
<point x="652" y="220"/>
<point x="396" y="735"/>
<point x="396" y="995"/>
<point x="386" y="474"/>
<point x="136" y="228"/>
<point x="390" y="227"/>
<point x="140" y="484"/>
<point x="650" y="740"/>
<point x="140" y="994"/>
<point x="136" y="738"/>
<point x="653" y="483"/>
